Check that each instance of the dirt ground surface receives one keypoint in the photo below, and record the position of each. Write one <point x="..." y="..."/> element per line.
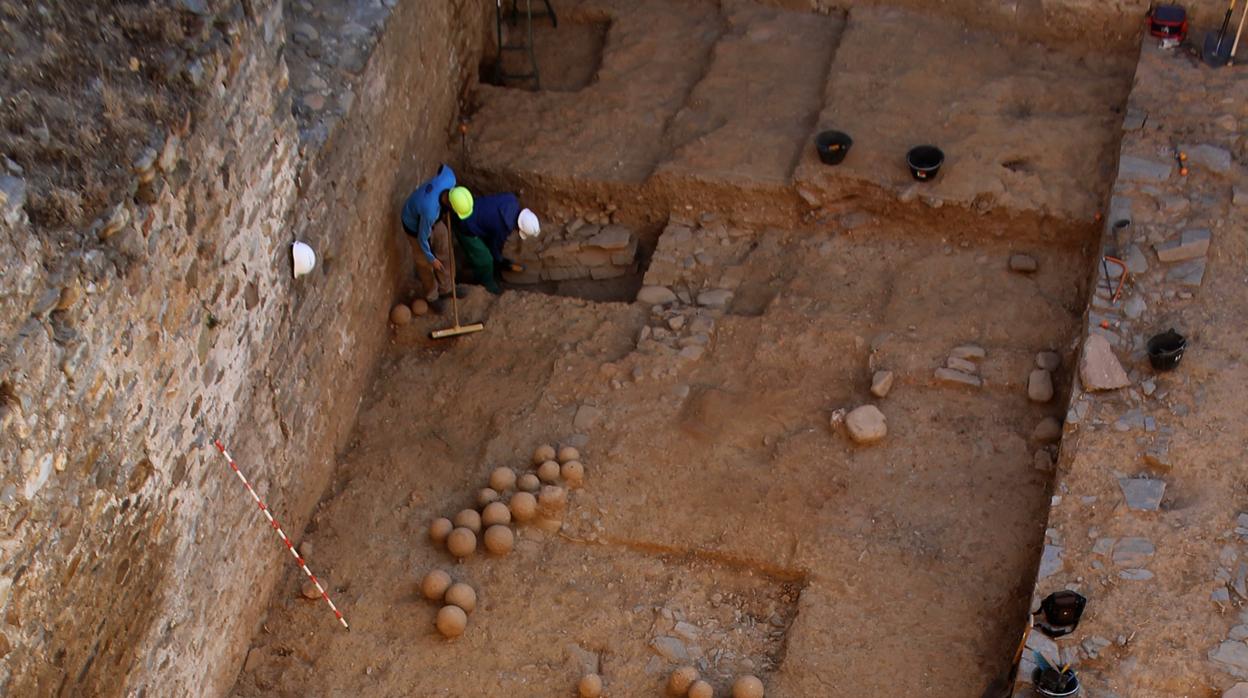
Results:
<point x="724" y="522"/>
<point x="716" y="493"/>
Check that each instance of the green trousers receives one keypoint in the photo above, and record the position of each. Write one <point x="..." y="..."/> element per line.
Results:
<point x="480" y="261"/>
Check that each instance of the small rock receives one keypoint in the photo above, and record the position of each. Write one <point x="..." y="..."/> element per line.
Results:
<point x="948" y="375"/>
<point x="670" y="648"/>
<point x="305" y="32"/>
<point x="314" y="101"/>
<point x="1050" y="561"/>
<point x="676" y="322"/>
<point x="1040" y="386"/>
<point x="1133" y="552"/>
<point x="961" y="365"/>
<point x="881" y="383"/>
<point x="866" y="424"/>
<point x="715" y="298"/>
<point x="1233" y="655"/>
<point x="1047" y="431"/>
<point x="693" y="352"/>
<point x="969" y="352"/>
<point x="1209" y="157"/>
<point x="656" y="295"/>
<point x="308" y="590"/>
<point x="1023" y="263"/>
<point x="1136" y="575"/>
<point x="1048" y="360"/>
<point x="1190" y="244"/>
<point x="586" y="417"/>
<point x="1142" y="494"/>
<point x="1099" y="369"/>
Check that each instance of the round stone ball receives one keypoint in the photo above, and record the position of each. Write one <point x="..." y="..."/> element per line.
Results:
<point x="503" y="478"/>
<point x="528" y="482"/>
<point x="568" y="453"/>
<point x="590" y="686"/>
<point x="435" y="584"/>
<point x="420" y="307"/>
<point x="469" y="519"/>
<point x="747" y="687"/>
<point x="679" y="682"/>
<point x="451" y="621"/>
<point x="485" y="496"/>
<point x="439" y="529"/>
<point x="499" y="539"/>
<point x="462" y="595"/>
<point x="701" y="689"/>
<point x="543" y="453"/>
<point x="573" y="473"/>
<point x="523" y="506"/>
<point x="401" y="314"/>
<point x="548" y="472"/>
<point x="461" y="542"/>
<point x="495" y="513"/>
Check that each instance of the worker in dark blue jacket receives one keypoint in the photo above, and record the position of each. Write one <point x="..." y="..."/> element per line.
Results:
<point x="483" y="234"/>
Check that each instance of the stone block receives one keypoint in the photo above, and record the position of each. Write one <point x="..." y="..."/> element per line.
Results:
<point x="656" y="295"/>
<point x="612" y="237"/>
<point x="1189" y="273"/>
<point x="599" y="273"/>
<point x="1137" y="169"/>
<point x="948" y="375"/>
<point x="1190" y="244"/>
<point x="1209" y="157"/>
<point x="564" y="273"/>
<point x="593" y="257"/>
<point x="1099" y="368"/>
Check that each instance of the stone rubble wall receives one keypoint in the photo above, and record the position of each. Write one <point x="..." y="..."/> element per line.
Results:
<point x="580" y="250"/>
<point x="131" y="560"/>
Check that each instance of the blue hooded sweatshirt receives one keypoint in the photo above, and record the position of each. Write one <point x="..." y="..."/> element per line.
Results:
<point x="422" y="208"/>
<point x="493" y="219"/>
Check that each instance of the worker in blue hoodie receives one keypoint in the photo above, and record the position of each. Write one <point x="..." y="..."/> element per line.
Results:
<point x="483" y="233"/>
<point x="427" y="234"/>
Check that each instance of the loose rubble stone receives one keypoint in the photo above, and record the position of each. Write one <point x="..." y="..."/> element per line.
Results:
<point x="1136" y="260"/>
<point x="1135" y="575"/>
<point x="961" y="365"/>
<point x="1233" y="656"/>
<point x="1047" y="431"/>
<point x="1023" y="263"/>
<point x="12" y="199"/>
<point x="1040" y="386"/>
<point x="1133" y="552"/>
<point x="1099" y="369"/>
<point x="948" y="375"/>
<point x="1190" y="244"/>
<point x="1209" y="157"/>
<point x="715" y="298"/>
<point x="881" y="383"/>
<point x="670" y="648"/>
<point x="1190" y="273"/>
<point x="1048" y="360"/>
<point x="1239" y="690"/>
<point x="1136" y="169"/>
<point x="656" y="295"/>
<point x="1050" y="561"/>
<point x="612" y="237"/>
<point x="866" y="424"/>
<point x="970" y="352"/>
<point x="1142" y="494"/>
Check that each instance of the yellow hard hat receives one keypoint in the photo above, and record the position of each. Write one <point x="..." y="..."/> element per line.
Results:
<point x="461" y="201"/>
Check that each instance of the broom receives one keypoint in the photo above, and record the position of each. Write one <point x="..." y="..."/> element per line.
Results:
<point x="457" y="329"/>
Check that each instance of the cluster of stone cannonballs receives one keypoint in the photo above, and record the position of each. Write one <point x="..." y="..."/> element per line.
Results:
<point x="686" y="683"/>
<point x="403" y="313"/>
<point x="458" y="599"/>
<point x="534" y="495"/>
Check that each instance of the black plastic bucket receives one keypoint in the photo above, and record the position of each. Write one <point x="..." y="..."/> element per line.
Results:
<point x="925" y="162"/>
<point x="1051" y="682"/>
<point x="833" y="146"/>
<point x="1166" y="350"/>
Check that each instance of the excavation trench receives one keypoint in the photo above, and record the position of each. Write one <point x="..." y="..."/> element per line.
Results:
<point x="704" y="423"/>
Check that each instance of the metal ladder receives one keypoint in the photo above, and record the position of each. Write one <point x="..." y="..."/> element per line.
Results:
<point x="513" y="16"/>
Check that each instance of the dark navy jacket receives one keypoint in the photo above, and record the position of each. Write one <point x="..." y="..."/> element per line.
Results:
<point x="493" y="219"/>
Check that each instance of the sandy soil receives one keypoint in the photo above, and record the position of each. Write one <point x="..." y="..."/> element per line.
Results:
<point x="717" y="494"/>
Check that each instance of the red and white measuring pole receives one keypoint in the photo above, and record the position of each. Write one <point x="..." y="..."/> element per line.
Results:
<point x="281" y="534"/>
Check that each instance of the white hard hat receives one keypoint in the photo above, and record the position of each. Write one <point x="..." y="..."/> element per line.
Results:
<point x="304" y="258"/>
<point x="529" y="225"/>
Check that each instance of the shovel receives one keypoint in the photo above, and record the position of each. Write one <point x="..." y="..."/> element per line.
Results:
<point x="1217" y="51"/>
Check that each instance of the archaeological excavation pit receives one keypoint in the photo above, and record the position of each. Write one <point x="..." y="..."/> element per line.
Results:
<point x="705" y="303"/>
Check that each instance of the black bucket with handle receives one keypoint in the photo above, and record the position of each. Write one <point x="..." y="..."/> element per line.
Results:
<point x="1166" y="350"/>
<point x="924" y="162"/>
<point x="833" y="146"/>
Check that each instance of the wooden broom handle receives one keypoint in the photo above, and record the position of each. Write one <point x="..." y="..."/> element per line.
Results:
<point x="1239" y="33"/>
